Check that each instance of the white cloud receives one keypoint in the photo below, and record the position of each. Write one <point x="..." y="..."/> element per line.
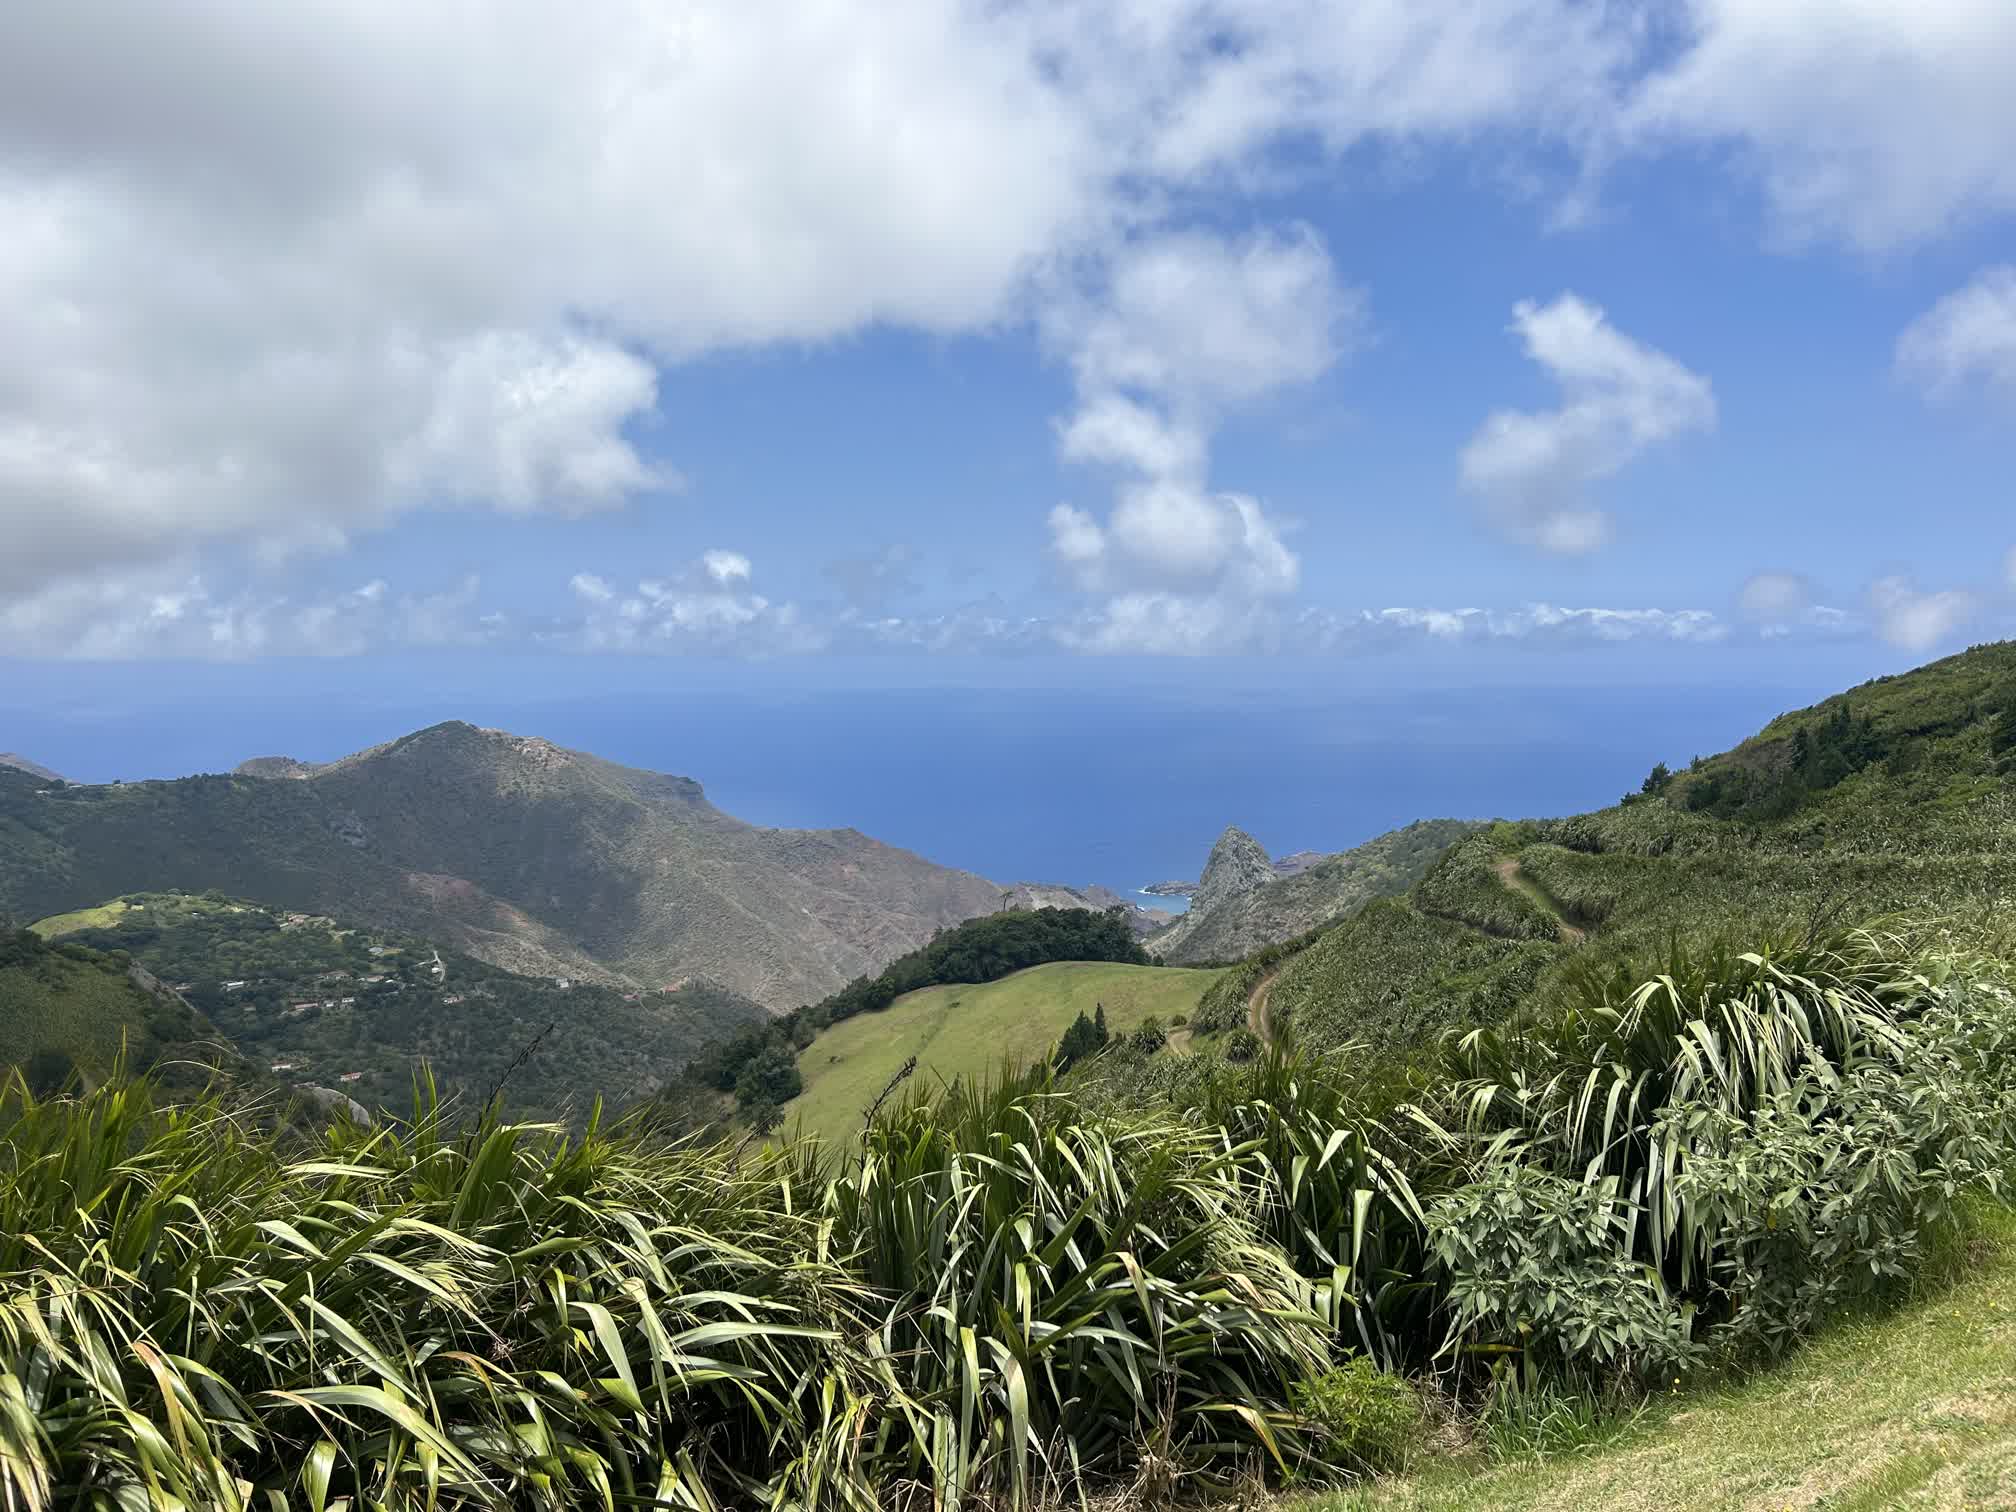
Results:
<point x="1882" y="123"/>
<point x="1775" y="597"/>
<point x="1112" y="428"/>
<point x="726" y="567"/>
<point x="1915" y="620"/>
<point x="275" y="275"/>
<point x="174" y="614"/>
<point x="1206" y="323"/>
<point x="1185" y="328"/>
<point x="1618" y="398"/>
<point x="690" y="612"/>
<point x="279" y="275"/>
<point x="1967" y="337"/>
<point x="709" y="605"/>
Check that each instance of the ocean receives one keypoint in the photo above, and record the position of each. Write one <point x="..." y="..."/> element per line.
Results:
<point x="1078" y="786"/>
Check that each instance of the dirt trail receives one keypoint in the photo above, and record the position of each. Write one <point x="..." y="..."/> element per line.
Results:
<point x="1509" y="873"/>
<point x="1257" y="1017"/>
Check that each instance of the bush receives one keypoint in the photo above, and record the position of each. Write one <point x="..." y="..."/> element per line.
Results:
<point x="1372" y="1420"/>
<point x="1148" y="1037"/>
<point x="1541" y="1264"/>
<point x="1242" y="1044"/>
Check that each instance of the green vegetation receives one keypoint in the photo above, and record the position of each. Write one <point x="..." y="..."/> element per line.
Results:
<point x="1605" y="1111"/>
<point x="1373" y="1419"/>
<point x="1911" y="1407"/>
<point x="540" y="860"/>
<point x="1894" y="798"/>
<point x="1010" y="1293"/>
<point x="969" y="1031"/>
<point x="980" y="950"/>
<point x="67" y="1011"/>
<point x="317" y="1003"/>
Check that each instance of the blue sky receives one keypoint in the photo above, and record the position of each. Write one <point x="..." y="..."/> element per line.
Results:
<point x="902" y="343"/>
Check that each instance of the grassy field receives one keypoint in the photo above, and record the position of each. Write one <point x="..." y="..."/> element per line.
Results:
<point x="1913" y="1409"/>
<point x="105" y="916"/>
<point x="967" y="1031"/>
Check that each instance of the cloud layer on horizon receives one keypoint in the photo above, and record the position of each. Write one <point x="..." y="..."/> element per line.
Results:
<point x="713" y="606"/>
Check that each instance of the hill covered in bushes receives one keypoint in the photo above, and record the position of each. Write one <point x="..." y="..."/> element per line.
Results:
<point x="317" y="1001"/>
<point x="1006" y="1295"/>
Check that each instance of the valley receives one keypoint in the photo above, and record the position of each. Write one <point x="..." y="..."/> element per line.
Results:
<point x="974" y="1031"/>
<point x="1488" y="1125"/>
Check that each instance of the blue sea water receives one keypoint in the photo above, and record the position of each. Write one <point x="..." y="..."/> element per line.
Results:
<point x="1076" y="786"/>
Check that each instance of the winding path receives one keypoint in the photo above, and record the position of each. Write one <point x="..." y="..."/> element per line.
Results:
<point x="1257" y="1017"/>
<point x="1509" y="874"/>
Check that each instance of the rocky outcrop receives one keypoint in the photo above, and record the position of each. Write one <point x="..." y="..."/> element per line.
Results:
<point x="277" y="768"/>
<point x="1238" y="865"/>
<point x="1240" y="909"/>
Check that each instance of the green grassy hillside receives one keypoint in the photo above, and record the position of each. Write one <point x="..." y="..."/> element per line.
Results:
<point x="70" y="1010"/>
<point x="1899" y="796"/>
<point x="970" y="1030"/>
<point x="318" y="1002"/>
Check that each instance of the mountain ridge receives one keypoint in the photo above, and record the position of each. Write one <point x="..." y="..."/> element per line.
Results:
<point x="522" y="852"/>
<point x="33" y="769"/>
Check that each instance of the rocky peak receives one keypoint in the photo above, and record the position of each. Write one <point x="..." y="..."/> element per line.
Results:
<point x="277" y="768"/>
<point x="23" y="764"/>
<point x="1238" y="864"/>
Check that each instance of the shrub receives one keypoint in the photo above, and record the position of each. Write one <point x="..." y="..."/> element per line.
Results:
<point x="1373" y="1421"/>
<point x="1242" y="1044"/>
<point x="1540" y="1264"/>
<point x="1148" y="1037"/>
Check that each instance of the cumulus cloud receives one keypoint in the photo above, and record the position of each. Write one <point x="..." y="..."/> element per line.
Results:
<point x="1619" y="397"/>
<point x="1916" y="620"/>
<point x="1185" y="328"/>
<point x="1779" y="604"/>
<point x="279" y="276"/>
<point x="1968" y="338"/>
<point x="276" y="275"/>
<point x="1881" y="123"/>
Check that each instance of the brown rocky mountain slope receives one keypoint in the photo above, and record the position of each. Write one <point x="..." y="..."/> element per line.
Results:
<point x="517" y="851"/>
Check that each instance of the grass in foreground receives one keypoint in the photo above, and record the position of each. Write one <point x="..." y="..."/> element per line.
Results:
<point x="962" y="1030"/>
<point x="1911" y="1409"/>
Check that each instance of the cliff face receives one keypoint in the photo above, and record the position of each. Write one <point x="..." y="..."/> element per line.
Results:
<point x="1238" y="864"/>
<point x="1244" y="901"/>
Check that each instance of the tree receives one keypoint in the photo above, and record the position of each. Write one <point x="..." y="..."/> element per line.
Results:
<point x="1080" y="1040"/>
<point x="1099" y="1023"/>
<point x="2002" y="738"/>
<point x="1656" y="780"/>
<point x="771" y="1077"/>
